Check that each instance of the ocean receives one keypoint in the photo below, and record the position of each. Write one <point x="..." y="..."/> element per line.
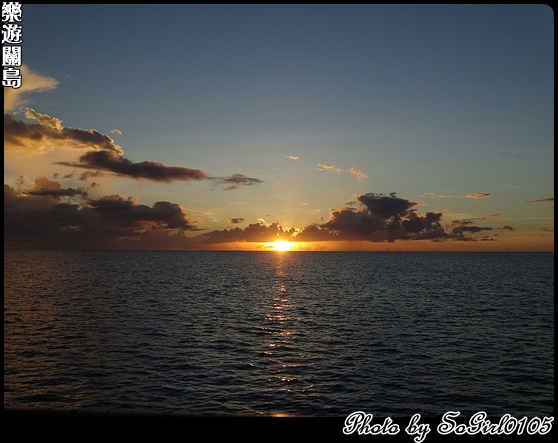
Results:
<point x="314" y="334"/>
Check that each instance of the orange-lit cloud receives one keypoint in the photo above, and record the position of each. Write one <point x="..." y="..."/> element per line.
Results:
<point x="48" y="133"/>
<point x="328" y="167"/>
<point x="359" y="174"/>
<point x="44" y="186"/>
<point x="104" y="156"/>
<point x="477" y="195"/>
<point x="354" y="171"/>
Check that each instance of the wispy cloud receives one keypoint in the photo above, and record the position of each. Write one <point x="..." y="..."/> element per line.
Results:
<point x="34" y="82"/>
<point x="292" y="157"/>
<point x="327" y="167"/>
<point x="496" y="214"/>
<point x="541" y="200"/>
<point x="477" y="195"/>
<point x="359" y="174"/>
<point x="434" y="195"/>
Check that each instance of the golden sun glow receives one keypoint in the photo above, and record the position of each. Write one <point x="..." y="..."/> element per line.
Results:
<point x="281" y="245"/>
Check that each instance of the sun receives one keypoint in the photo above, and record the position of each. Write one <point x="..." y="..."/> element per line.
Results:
<point x="281" y="245"/>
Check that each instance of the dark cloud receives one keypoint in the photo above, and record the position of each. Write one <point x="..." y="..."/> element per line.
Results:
<point x="37" y="218"/>
<point x="383" y="218"/>
<point x="255" y="232"/>
<point x="235" y="220"/>
<point x="316" y="232"/>
<point x="460" y="227"/>
<point x="460" y="230"/>
<point x="146" y="170"/>
<point x="235" y="181"/>
<point x="84" y="175"/>
<point x="56" y="193"/>
<point x="126" y="213"/>
<point x="385" y="206"/>
<point x="88" y="174"/>
<point x="541" y="200"/>
<point x="461" y="222"/>
<point x="508" y="228"/>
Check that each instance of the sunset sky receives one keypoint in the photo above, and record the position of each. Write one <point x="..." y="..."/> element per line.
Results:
<point x="369" y="127"/>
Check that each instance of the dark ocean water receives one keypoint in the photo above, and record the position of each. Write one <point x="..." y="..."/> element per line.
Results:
<point x="303" y="333"/>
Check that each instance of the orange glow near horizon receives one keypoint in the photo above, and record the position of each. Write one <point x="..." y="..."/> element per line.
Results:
<point x="281" y="245"/>
<point x="404" y="246"/>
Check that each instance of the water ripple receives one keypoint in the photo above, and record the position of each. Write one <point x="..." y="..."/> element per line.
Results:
<point x="263" y="333"/>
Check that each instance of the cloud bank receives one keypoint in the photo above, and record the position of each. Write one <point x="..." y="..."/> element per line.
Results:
<point x="379" y="218"/>
<point x="49" y="216"/>
<point x="46" y="217"/>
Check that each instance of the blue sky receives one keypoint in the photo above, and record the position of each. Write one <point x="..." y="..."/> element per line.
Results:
<point x="450" y="107"/>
